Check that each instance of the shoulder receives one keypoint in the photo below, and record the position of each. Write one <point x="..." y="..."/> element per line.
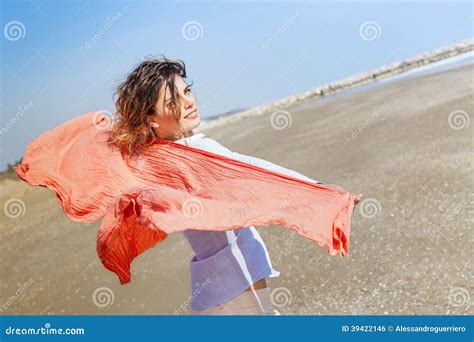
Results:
<point x="211" y="145"/>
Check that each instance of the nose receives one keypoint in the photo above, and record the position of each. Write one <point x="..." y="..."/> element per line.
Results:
<point x="188" y="102"/>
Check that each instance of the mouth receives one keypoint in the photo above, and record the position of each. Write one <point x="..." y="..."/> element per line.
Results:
<point x="191" y="115"/>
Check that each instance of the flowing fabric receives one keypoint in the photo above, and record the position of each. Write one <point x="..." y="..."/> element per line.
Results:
<point x="170" y="187"/>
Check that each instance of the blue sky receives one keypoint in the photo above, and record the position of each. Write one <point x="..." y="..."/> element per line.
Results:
<point x="61" y="59"/>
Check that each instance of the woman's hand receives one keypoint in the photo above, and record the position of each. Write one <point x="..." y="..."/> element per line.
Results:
<point x="358" y="197"/>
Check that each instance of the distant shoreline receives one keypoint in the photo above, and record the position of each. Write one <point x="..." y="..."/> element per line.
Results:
<point x="326" y="90"/>
<point x="350" y="82"/>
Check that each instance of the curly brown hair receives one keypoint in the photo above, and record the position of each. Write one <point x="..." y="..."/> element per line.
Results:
<point x="137" y="96"/>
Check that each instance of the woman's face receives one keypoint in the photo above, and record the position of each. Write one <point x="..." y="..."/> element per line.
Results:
<point x="165" y="125"/>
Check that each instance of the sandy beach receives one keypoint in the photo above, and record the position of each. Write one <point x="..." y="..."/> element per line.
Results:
<point x="406" y="145"/>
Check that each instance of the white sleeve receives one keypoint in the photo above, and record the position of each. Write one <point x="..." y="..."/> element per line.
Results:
<point x="272" y="167"/>
<point x="214" y="146"/>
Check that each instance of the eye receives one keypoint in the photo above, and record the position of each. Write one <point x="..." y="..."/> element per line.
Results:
<point x="188" y="89"/>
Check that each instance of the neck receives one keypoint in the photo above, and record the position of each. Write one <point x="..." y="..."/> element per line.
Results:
<point x="175" y="137"/>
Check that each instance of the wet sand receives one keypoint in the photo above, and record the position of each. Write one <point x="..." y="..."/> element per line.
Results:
<point x="410" y="248"/>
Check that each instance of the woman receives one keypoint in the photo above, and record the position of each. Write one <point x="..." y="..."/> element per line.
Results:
<point x="229" y="268"/>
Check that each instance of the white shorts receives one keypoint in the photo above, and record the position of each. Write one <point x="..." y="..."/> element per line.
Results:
<point x="245" y="303"/>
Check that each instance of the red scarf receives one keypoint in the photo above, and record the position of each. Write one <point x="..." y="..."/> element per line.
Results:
<point x="172" y="187"/>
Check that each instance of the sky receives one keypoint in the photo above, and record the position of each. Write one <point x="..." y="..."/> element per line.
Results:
<point x="61" y="59"/>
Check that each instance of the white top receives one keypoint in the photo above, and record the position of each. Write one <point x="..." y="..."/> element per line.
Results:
<point x="227" y="262"/>
<point x="201" y="141"/>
